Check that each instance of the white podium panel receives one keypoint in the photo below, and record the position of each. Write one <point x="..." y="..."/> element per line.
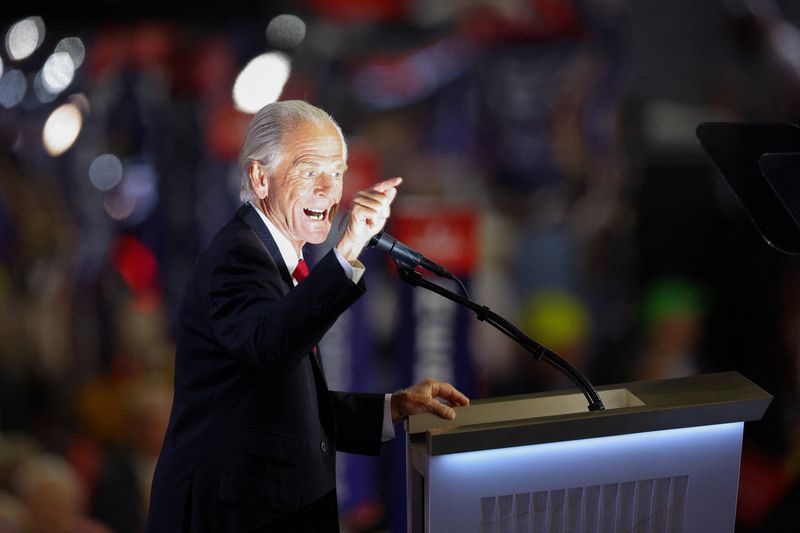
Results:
<point x="676" y="480"/>
<point x="675" y="475"/>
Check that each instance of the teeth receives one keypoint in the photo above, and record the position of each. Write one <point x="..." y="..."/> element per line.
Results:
<point x="315" y="214"/>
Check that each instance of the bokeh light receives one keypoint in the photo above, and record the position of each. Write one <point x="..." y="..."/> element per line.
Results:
<point x="133" y="197"/>
<point x="119" y="206"/>
<point x="286" y="31"/>
<point x="62" y="129"/>
<point x="40" y="89"/>
<point x="58" y="72"/>
<point x="72" y="46"/>
<point x="105" y="172"/>
<point x="140" y="183"/>
<point x="12" y="88"/>
<point x="261" y="81"/>
<point x="24" y="37"/>
<point x="135" y="262"/>
<point x="80" y="100"/>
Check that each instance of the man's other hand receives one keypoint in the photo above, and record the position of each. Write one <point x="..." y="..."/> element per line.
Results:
<point x="421" y="398"/>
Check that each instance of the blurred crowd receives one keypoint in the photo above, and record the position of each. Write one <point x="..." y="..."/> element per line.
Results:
<point x="564" y="129"/>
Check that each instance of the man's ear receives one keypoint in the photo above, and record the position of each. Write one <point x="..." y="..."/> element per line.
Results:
<point x="259" y="181"/>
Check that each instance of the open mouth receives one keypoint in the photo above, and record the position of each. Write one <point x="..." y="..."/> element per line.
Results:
<point x="315" y="214"/>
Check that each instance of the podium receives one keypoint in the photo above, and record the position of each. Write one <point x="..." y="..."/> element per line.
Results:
<point x="663" y="457"/>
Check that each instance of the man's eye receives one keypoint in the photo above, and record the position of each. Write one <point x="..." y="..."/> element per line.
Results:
<point x="309" y="173"/>
<point x="336" y="174"/>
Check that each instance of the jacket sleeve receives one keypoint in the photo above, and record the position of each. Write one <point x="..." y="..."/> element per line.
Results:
<point x="257" y="322"/>
<point x="359" y="421"/>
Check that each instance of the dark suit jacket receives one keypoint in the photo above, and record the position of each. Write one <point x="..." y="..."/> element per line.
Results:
<point x="253" y="429"/>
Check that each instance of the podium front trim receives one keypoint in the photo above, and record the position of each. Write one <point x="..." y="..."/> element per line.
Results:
<point x="693" y="401"/>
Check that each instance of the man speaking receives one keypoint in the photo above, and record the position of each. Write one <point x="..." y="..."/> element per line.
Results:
<point x="252" y="437"/>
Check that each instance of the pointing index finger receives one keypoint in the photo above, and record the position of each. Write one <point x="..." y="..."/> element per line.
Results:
<point x="385" y="185"/>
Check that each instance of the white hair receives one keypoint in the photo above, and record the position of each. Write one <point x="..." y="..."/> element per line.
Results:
<point x="263" y="141"/>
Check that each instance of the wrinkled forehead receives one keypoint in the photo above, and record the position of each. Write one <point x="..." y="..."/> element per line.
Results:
<point x="312" y="141"/>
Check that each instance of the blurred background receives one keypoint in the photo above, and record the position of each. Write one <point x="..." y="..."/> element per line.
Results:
<point x="549" y="159"/>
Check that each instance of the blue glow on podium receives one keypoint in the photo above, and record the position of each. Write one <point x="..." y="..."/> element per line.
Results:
<point x="668" y="441"/>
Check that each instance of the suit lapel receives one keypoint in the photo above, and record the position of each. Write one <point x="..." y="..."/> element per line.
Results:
<point x="248" y="213"/>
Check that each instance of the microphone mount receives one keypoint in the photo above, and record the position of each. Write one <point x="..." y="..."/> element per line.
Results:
<point x="407" y="260"/>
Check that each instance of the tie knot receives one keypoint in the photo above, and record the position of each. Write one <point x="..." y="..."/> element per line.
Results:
<point x="300" y="271"/>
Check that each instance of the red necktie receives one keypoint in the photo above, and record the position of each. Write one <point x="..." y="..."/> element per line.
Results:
<point x="300" y="271"/>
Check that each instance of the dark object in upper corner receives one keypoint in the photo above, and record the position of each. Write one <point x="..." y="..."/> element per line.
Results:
<point x="761" y="163"/>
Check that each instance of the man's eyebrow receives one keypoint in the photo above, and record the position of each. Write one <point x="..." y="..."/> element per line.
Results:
<point x="301" y="161"/>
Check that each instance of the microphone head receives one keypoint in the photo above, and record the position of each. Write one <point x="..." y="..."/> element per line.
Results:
<point x="376" y="240"/>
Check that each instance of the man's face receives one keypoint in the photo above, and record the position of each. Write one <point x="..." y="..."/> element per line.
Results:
<point x="306" y="187"/>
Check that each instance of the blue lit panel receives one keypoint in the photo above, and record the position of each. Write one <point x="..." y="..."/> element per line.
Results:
<point x="709" y="456"/>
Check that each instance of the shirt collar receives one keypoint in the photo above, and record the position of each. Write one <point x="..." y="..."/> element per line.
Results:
<point x="284" y="244"/>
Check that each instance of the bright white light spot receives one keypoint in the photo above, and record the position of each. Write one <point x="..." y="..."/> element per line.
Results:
<point x="24" y="37"/>
<point x="261" y="81"/>
<point x="105" y="172"/>
<point x="57" y="72"/>
<point x="42" y="92"/>
<point x="12" y="88"/>
<point x="61" y="129"/>
<point x="74" y="47"/>
<point x="286" y="31"/>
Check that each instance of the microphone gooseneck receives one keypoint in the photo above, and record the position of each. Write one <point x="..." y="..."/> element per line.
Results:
<point x="408" y="260"/>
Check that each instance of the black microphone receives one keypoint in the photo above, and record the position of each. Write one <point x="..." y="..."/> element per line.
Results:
<point x="405" y="256"/>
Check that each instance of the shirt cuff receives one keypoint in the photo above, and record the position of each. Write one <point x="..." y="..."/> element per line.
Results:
<point x="354" y="271"/>
<point x="388" y="426"/>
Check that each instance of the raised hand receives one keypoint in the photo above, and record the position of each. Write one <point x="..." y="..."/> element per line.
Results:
<point x="371" y="208"/>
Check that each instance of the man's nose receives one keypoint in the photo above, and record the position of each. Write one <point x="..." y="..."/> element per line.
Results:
<point x="325" y="183"/>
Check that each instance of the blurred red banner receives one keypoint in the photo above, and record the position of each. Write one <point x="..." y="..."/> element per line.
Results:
<point x="446" y="235"/>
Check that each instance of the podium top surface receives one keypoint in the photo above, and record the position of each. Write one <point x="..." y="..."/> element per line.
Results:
<point x="560" y="416"/>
